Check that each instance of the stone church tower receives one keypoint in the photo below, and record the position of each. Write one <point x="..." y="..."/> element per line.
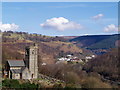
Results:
<point x="31" y="60"/>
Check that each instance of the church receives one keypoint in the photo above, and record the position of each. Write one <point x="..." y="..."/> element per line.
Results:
<point x="23" y="69"/>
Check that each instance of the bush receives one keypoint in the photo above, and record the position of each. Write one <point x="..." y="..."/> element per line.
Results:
<point x="73" y="87"/>
<point x="92" y="82"/>
<point x="28" y="85"/>
<point x="72" y="77"/>
<point x="10" y="83"/>
<point x="57" y="85"/>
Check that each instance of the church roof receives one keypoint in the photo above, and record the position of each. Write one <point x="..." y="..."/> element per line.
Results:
<point x="17" y="63"/>
<point x="16" y="70"/>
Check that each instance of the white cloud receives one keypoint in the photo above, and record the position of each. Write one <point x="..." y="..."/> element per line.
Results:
<point x="110" y="28"/>
<point x="99" y="16"/>
<point x="60" y="23"/>
<point x="8" y="27"/>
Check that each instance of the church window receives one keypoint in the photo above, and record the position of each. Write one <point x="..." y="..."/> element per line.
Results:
<point x="32" y="75"/>
<point x="33" y="52"/>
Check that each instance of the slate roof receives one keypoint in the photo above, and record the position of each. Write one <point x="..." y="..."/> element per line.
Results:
<point x="16" y="70"/>
<point x="17" y="63"/>
<point x="23" y="68"/>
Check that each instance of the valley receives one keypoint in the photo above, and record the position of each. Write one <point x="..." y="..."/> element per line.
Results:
<point x="62" y="58"/>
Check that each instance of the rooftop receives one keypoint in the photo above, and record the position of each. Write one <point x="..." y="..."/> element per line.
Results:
<point x="17" y="63"/>
<point x="16" y="70"/>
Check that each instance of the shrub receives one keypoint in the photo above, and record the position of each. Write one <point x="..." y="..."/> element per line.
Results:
<point x="72" y="77"/>
<point x="28" y="85"/>
<point x="10" y="83"/>
<point x="92" y="82"/>
<point x="56" y="85"/>
<point x="73" y="87"/>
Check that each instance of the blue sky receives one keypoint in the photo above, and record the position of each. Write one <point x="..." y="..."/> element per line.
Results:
<point x="60" y="0"/>
<point x="68" y="18"/>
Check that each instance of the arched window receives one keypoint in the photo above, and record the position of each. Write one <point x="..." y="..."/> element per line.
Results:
<point x="33" y="52"/>
<point x="32" y="75"/>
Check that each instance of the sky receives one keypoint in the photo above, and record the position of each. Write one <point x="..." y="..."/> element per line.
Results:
<point x="60" y="18"/>
<point x="60" y="0"/>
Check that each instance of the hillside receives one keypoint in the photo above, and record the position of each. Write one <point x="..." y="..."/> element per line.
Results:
<point x="11" y="36"/>
<point x="106" y="43"/>
<point x="69" y="37"/>
<point x="106" y="65"/>
<point x="96" y="41"/>
<point x="50" y="48"/>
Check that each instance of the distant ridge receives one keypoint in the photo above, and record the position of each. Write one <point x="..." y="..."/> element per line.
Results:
<point x="96" y="41"/>
<point x="69" y="37"/>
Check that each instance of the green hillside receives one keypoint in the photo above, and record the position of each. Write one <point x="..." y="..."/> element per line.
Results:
<point x="96" y="41"/>
<point x="106" y="43"/>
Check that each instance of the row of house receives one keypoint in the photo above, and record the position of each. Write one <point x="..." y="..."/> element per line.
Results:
<point x="74" y="58"/>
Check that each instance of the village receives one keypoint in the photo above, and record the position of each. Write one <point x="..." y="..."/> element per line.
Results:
<point x="75" y="59"/>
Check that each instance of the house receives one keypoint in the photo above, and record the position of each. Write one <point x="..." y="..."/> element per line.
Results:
<point x="23" y="69"/>
<point x="93" y="56"/>
<point x="88" y="57"/>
